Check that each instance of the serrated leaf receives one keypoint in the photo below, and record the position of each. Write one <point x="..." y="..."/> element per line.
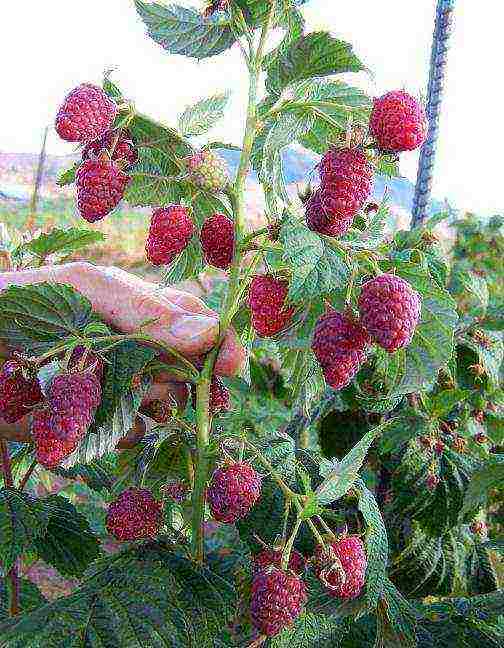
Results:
<point x="491" y="475"/>
<point x="490" y="351"/>
<point x="396" y="620"/>
<point x="373" y="234"/>
<point x="186" y="265"/>
<point x="376" y="546"/>
<point x="29" y="597"/>
<point x="67" y="177"/>
<point x="154" y="180"/>
<point x="475" y="286"/>
<point x="36" y="317"/>
<point x="317" y="268"/>
<point x="68" y="543"/>
<point x="309" y="630"/>
<point x="340" y="476"/>
<point x="315" y="55"/>
<point x="59" y="241"/>
<point x="97" y="475"/>
<point x="185" y="31"/>
<point x="443" y="402"/>
<point x="23" y="519"/>
<point x="200" y="118"/>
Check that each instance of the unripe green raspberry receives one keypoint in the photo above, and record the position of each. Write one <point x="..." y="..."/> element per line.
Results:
<point x="208" y="171"/>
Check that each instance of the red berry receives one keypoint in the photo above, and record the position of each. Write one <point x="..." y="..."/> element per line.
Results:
<point x="273" y="557"/>
<point x="267" y="301"/>
<point x="339" y="344"/>
<point x="348" y="175"/>
<point x="219" y="398"/>
<point x="134" y="515"/>
<point x="73" y="399"/>
<point x="92" y="362"/>
<point x="124" y="148"/>
<point x="322" y="219"/>
<point x="439" y="447"/>
<point x="51" y="449"/>
<point x="343" y="569"/>
<point x="170" y="231"/>
<point x="233" y="491"/>
<point x="86" y="113"/>
<point x="432" y="482"/>
<point x="18" y="392"/>
<point x="398" y="122"/>
<point x="100" y="188"/>
<point x="208" y="171"/>
<point x="277" y="599"/>
<point x="176" y="491"/>
<point x="218" y="241"/>
<point x="390" y="311"/>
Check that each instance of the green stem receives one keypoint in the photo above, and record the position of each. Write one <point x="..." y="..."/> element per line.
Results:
<point x="290" y="543"/>
<point x="289" y="494"/>
<point x="14" y="572"/>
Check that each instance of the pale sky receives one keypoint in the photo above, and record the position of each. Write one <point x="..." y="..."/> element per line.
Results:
<point x="47" y="48"/>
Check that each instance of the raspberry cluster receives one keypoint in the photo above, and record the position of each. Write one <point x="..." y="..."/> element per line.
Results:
<point x="398" y="122"/>
<point x="208" y="171"/>
<point x="59" y="425"/>
<point x="233" y="491"/>
<point x="346" y="183"/>
<point x="19" y="392"/>
<point x="118" y="144"/>
<point x="170" y="231"/>
<point x="217" y="239"/>
<point x="342" y="569"/>
<point x="277" y="599"/>
<point x="267" y="301"/>
<point x="134" y="515"/>
<point x="339" y="344"/>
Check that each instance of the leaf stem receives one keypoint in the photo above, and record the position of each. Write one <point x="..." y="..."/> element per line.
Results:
<point x="290" y="543"/>
<point x="27" y="475"/>
<point x="14" y="572"/>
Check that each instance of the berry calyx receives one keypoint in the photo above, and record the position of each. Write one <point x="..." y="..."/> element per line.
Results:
<point x="124" y="148"/>
<point x="86" y="113"/>
<point x="19" y="392"/>
<point x="339" y="344"/>
<point x="170" y="231"/>
<point x="273" y="557"/>
<point x="267" y="299"/>
<point x="398" y="122"/>
<point x="390" y="311"/>
<point x="100" y="188"/>
<point x="208" y="171"/>
<point x="277" y="599"/>
<point x="134" y="515"/>
<point x="342" y="569"/>
<point x="217" y="239"/>
<point x="233" y="491"/>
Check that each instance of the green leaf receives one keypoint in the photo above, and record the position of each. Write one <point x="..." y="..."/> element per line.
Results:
<point x="340" y="476"/>
<point x="67" y="177"/>
<point x="23" y="519"/>
<point x="68" y="543"/>
<point x="29" y="597"/>
<point x="200" y="118"/>
<point x="97" y="475"/>
<point x="474" y="287"/>
<point x="491" y="475"/>
<point x="309" y="630"/>
<point x="36" y="317"/>
<point x="396" y="620"/>
<point x="185" y="31"/>
<point x="314" y="55"/>
<point x="376" y="546"/>
<point x="490" y="351"/>
<point x="373" y="234"/>
<point x="443" y="403"/>
<point x="144" y="598"/>
<point x="59" y="241"/>
<point x="432" y="344"/>
<point x="317" y="268"/>
<point x="154" y="180"/>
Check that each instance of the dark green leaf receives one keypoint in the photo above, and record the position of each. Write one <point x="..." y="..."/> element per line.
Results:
<point x="29" y="597"/>
<point x="489" y="476"/>
<point x="443" y="402"/>
<point x="200" y="118"/>
<point x="309" y="630"/>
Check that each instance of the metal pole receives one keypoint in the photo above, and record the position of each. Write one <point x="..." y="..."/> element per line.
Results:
<point x="38" y="180"/>
<point x="439" y="56"/>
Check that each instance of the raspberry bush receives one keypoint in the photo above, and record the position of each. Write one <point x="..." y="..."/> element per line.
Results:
<point x="345" y="489"/>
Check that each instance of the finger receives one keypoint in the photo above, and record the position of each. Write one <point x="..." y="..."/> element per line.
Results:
<point x="179" y="319"/>
<point x="167" y="392"/>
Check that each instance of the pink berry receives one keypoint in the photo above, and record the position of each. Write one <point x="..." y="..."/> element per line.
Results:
<point x="218" y="240"/>
<point x="18" y="392"/>
<point x="134" y="515"/>
<point x="170" y="231"/>
<point x="233" y="491"/>
<point x="398" y="122"/>
<point x="343" y="570"/>
<point x="267" y="300"/>
<point x="86" y="113"/>
<point x="100" y="188"/>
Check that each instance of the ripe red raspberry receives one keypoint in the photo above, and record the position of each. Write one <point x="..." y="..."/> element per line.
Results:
<point x="176" y="491"/>
<point x="208" y="171"/>
<point x="432" y="482"/>
<point x="73" y="399"/>
<point x="50" y="449"/>
<point x="233" y="491"/>
<point x="277" y="599"/>
<point x="273" y="557"/>
<point x="100" y="188"/>
<point x="86" y="113"/>
<point x="219" y="398"/>
<point x="267" y="301"/>
<point x="218" y="240"/>
<point x="134" y="515"/>
<point x="320" y="218"/>
<point x="92" y="362"/>
<point x="124" y="148"/>
<point x="439" y="447"/>
<point x="390" y="311"/>
<point x="398" y="122"/>
<point x="170" y="231"/>
<point x="342" y="570"/>
<point x="339" y="344"/>
<point x="348" y="175"/>
<point x="18" y="392"/>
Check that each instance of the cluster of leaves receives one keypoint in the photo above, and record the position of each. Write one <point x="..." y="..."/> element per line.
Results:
<point x="361" y="458"/>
